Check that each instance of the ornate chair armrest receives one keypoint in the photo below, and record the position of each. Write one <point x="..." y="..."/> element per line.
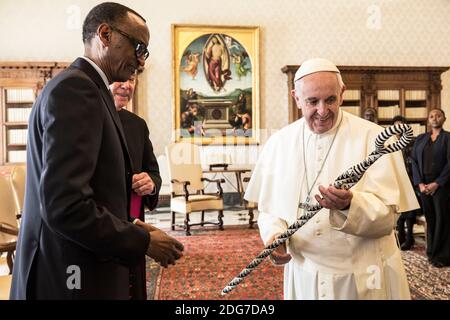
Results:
<point x="219" y="187"/>
<point x="9" y="229"/>
<point x="213" y="180"/>
<point x="185" y="189"/>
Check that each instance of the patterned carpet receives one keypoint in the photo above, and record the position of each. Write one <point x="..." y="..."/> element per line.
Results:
<point x="425" y="281"/>
<point x="213" y="257"/>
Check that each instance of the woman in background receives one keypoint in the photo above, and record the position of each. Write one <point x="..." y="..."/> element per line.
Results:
<point x="431" y="173"/>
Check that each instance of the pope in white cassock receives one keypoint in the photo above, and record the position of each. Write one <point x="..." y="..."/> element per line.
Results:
<point x="348" y="250"/>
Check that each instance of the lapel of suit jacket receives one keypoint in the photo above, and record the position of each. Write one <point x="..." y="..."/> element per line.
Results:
<point x="132" y="132"/>
<point x="109" y="102"/>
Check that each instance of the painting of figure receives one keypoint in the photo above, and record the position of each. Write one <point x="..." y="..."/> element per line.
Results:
<point x="192" y="60"/>
<point x="241" y="118"/>
<point x="216" y="61"/>
<point x="216" y="85"/>
<point x="240" y="63"/>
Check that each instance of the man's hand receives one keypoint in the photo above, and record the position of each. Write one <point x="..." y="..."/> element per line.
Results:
<point x="142" y="184"/>
<point x="431" y="188"/>
<point x="157" y="251"/>
<point x="279" y="256"/>
<point x="334" y="199"/>
<point x="146" y="226"/>
<point x="164" y="249"/>
<point x="423" y="188"/>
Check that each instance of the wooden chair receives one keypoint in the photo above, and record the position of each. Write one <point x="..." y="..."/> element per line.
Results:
<point x="8" y="221"/>
<point x="187" y="187"/>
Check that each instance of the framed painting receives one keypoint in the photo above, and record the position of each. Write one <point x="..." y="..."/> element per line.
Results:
<point x="216" y="84"/>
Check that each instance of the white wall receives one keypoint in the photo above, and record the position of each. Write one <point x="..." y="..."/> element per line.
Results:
<point x="349" y="32"/>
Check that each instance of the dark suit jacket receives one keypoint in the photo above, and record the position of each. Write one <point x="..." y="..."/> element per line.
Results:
<point x="75" y="224"/>
<point x="440" y="149"/>
<point x="144" y="160"/>
<point x="141" y="152"/>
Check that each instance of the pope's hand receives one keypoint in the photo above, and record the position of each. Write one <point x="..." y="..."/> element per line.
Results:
<point x="333" y="198"/>
<point x="279" y="256"/>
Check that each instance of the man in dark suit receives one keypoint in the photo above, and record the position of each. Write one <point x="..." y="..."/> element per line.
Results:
<point x="408" y="218"/>
<point x="145" y="165"/>
<point x="77" y="240"/>
<point x="146" y="178"/>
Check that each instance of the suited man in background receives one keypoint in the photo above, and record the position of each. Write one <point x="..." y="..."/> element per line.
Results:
<point x="408" y="218"/>
<point x="77" y="240"/>
<point x="146" y="178"/>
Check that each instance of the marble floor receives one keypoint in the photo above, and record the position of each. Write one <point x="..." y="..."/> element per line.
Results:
<point x="233" y="215"/>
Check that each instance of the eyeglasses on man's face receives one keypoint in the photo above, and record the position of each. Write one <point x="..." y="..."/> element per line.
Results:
<point x="139" y="47"/>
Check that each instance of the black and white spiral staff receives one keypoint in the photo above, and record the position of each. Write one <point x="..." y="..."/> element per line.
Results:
<point x="345" y="181"/>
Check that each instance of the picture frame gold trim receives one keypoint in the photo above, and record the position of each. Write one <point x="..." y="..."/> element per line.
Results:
<point x="216" y="98"/>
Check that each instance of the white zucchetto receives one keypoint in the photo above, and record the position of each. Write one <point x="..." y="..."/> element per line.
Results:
<point x="315" y="65"/>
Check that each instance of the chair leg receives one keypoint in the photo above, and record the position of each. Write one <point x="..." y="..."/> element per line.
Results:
<point x="173" y="220"/>
<point x="186" y="225"/>
<point x="9" y="261"/>
<point x="220" y="219"/>
<point x="250" y="219"/>
<point x="202" y="223"/>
